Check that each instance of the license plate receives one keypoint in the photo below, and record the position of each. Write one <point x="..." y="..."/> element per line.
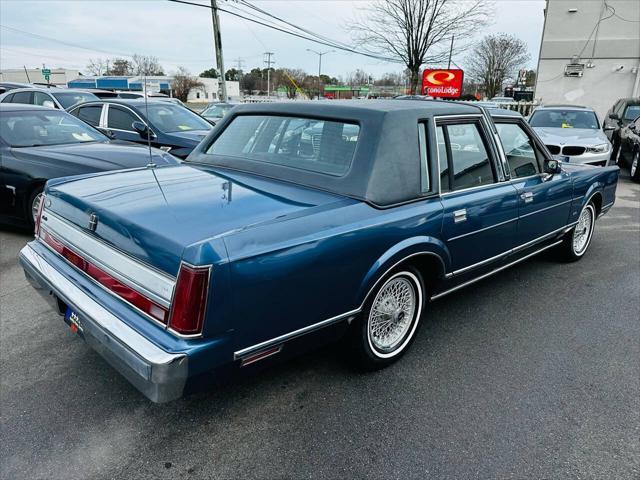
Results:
<point x="73" y="320"/>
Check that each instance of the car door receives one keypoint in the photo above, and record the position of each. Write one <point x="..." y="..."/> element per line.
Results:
<point x="119" y="121"/>
<point x="544" y="200"/>
<point x="480" y="208"/>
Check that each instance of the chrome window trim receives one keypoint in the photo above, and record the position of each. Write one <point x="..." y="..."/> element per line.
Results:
<point x="484" y="130"/>
<point x="158" y="286"/>
<point x="482" y="229"/>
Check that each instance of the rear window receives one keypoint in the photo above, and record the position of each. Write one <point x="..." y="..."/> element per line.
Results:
<point x="69" y="99"/>
<point x="304" y="143"/>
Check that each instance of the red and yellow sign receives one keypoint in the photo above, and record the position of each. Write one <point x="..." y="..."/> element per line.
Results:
<point x="442" y="83"/>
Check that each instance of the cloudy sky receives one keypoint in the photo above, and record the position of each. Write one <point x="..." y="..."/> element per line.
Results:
<point x="69" y="33"/>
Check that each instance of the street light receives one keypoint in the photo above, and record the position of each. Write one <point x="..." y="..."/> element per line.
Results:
<point x="320" y="54"/>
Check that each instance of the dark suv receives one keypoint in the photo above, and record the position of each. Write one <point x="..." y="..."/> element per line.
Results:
<point x="621" y="114"/>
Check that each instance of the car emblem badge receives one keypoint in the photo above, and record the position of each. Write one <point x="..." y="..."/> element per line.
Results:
<point x="93" y="222"/>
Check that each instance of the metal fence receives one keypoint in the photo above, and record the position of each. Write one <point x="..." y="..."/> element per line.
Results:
<point x="524" y="108"/>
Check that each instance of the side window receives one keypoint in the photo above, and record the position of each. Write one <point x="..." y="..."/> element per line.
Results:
<point x="8" y="98"/>
<point x="120" y="118"/>
<point x="22" y="97"/>
<point x="90" y="114"/>
<point x="519" y="149"/>
<point x="442" y="156"/>
<point x="425" y="184"/>
<point x="39" y="98"/>
<point x="469" y="159"/>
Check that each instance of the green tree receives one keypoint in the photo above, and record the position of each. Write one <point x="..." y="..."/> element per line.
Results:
<point x="210" y="73"/>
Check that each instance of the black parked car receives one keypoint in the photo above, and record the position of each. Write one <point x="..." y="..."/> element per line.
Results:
<point x="170" y="127"/>
<point x="621" y="114"/>
<point x="38" y="143"/>
<point x="630" y="148"/>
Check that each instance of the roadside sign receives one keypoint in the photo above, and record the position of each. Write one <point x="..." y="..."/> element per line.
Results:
<point x="46" y="71"/>
<point x="47" y="77"/>
<point x="444" y="83"/>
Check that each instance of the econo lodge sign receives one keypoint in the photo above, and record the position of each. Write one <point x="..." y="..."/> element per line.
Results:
<point x="442" y="83"/>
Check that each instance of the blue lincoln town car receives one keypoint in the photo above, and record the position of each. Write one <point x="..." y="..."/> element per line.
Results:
<point x="289" y="219"/>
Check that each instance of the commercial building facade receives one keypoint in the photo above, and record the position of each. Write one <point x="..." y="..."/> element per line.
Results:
<point x="590" y="53"/>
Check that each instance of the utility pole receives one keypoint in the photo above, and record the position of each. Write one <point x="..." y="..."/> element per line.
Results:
<point x="268" y="61"/>
<point x="450" y="51"/>
<point x="320" y="54"/>
<point x="239" y="61"/>
<point x="217" y="38"/>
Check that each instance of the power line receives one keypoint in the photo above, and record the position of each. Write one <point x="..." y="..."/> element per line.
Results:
<point x="332" y="44"/>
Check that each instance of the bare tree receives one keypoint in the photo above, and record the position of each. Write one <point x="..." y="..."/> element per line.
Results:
<point x="183" y="82"/>
<point x="146" y="65"/>
<point x="96" y="67"/>
<point x="495" y="59"/>
<point x="294" y="80"/>
<point x="418" y="32"/>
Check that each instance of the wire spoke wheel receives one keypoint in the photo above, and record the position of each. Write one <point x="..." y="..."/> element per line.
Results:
<point x="35" y="205"/>
<point x="582" y="231"/>
<point x="392" y="314"/>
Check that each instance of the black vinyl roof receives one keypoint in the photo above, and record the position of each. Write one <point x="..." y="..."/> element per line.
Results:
<point x="386" y="165"/>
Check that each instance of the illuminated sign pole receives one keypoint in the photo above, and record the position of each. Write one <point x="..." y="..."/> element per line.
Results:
<point x="444" y="83"/>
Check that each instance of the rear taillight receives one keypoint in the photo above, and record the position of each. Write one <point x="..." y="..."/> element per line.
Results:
<point x="111" y="283"/>
<point x="189" y="300"/>
<point x="39" y="215"/>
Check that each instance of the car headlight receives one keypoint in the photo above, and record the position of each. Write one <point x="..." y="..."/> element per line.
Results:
<point x="602" y="148"/>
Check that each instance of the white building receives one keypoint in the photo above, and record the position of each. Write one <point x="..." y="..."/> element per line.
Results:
<point x="590" y="53"/>
<point x="58" y="77"/>
<point x="209" y="92"/>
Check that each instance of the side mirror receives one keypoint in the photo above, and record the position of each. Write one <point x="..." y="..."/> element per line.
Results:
<point x="48" y="104"/>
<point x="614" y="116"/>
<point x="142" y="130"/>
<point x="552" y="166"/>
<point x="632" y="127"/>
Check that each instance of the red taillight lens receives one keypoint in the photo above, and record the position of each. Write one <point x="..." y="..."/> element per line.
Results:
<point x="39" y="215"/>
<point x="189" y="300"/>
<point x="123" y="291"/>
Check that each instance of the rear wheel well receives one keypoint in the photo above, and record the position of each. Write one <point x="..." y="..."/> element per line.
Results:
<point x="430" y="267"/>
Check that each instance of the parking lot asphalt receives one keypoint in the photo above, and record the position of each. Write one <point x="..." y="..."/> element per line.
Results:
<point x="532" y="373"/>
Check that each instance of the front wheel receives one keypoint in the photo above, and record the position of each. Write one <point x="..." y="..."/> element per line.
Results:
<point x="634" y="170"/>
<point x="578" y="239"/>
<point x="389" y="319"/>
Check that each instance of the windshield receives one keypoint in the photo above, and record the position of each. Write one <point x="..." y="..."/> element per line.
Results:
<point x="217" y="111"/>
<point x="169" y="118"/>
<point x="69" y="99"/>
<point x="303" y="143"/>
<point x="632" y="112"/>
<point x="36" y="128"/>
<point x="564" y="119"/>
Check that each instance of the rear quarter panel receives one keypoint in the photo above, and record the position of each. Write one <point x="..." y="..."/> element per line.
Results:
<point x="588" y="181"/>
<point x="302" y="271"/>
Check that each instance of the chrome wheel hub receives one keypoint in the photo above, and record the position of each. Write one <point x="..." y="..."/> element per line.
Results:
<point x="582" y="231"/>
<point x="392" y="314"/>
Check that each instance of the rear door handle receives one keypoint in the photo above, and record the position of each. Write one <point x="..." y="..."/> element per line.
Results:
<point x="527" y="197"/>
<point x="460" y="215"/>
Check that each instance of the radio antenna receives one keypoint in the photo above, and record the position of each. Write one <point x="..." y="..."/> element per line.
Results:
<point x="146" y="113"/>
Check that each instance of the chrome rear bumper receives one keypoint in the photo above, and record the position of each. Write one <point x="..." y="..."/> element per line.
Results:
<point x="158" y="374"/>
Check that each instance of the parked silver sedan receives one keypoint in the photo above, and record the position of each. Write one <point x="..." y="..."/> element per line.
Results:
<point x="572" y="133"/>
